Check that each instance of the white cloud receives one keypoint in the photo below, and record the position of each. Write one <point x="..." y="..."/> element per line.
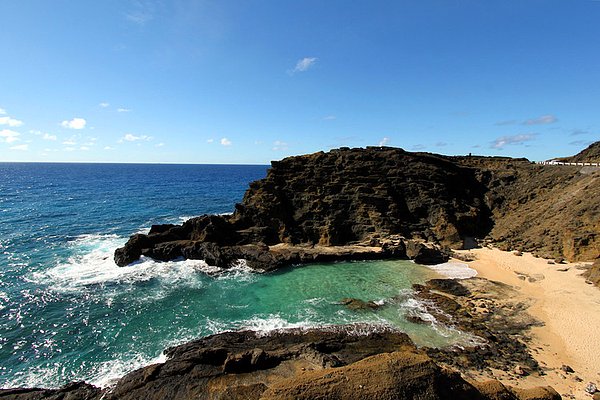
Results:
<point x="143" y="12"/>
<point x="75" y="123"/>
<point x="69" y="142"/>
<point x="20" y="147"/>
<point x="161" y="144"/>
<point x="2" y="111"/>
<point x="210" y="140"/>
<point x="543" y="120"/>
<point x="130" y="137"/>
<point x="278" y="145"/>
<point x="13" y="123"/>
<point x="84" y="148"/>
<point x="108" y="148"/>
<point x="8" y="136"/>
<point x="44" y="135"/>
<point x="304" y="64"/>
<point x="123" y="110"/>
<point x="225" y="142"/>
<point x="104" y="104"/>
<point x="69" y="149"/>
<point x="520" y="139"/>
<point x="329" y="118"/>
<point x="384" y="141"/>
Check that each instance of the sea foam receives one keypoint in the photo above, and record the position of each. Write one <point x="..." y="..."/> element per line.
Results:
<point x="92" y="263"/>
<point x="454" y="270"/>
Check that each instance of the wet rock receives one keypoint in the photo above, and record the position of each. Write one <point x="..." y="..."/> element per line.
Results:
<point x="358" y="304"/>
<point x="415" y="319"/>
<point x="132" y="250"/>
<point x="72" y="391"/>
<point x="425" y="253"/>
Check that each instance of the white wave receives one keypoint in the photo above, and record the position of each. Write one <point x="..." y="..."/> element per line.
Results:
<point x="107" y="373"/>
<point x="3" y="300"/>
<point x="454" y="270"/>
<point x="315" y="301"/>
<point x="273" y="322"/>
<point x="92" y="263"/>
<point x="184" y="218"/>
<point x="454" y="336"/>
<point x="418" y="308"/>
<point x="239" y="271"/>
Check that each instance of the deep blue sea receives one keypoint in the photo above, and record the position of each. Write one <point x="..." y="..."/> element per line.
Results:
<point x="67" y="312"/>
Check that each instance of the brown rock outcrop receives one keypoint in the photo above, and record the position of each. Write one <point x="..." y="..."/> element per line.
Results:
<point x="333" y="363"/>
<point x="551" y="211"/>
<point x="593" y="273"/>
<point x="342" y="197"/>
<point x="366" y="196"/>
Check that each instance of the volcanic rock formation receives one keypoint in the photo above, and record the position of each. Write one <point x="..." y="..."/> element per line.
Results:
<point x="334" y="363"/>
<point x="385" y="202"/>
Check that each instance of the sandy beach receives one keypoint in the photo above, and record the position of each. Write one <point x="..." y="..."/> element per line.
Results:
<point x="569" y="309"/>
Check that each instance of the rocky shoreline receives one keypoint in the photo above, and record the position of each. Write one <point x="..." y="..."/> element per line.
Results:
<point x="343" y="362"/>
<point x="374" y="203"/>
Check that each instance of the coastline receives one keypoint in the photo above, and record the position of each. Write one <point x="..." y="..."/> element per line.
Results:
<point x="566" y="305"/>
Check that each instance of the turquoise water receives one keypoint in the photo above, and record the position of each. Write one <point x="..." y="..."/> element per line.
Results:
<point x="69" y="313"/>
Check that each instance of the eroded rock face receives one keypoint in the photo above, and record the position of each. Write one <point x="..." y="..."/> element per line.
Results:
<point x="348" y="195"/>
<point x="333" y="199"/>
<point x="551" y="211"/>
<point x="367" y="196"/>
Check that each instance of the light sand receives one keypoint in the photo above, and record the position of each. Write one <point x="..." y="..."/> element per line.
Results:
<point x="569" y="309"/>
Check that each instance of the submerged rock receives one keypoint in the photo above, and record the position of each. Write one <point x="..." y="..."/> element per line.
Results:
<point x="358" y="304"/>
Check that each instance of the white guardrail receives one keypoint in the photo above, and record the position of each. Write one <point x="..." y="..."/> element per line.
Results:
<point x="583" y="164"/>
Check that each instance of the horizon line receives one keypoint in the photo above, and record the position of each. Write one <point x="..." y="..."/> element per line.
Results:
<point x="128" y="163"/>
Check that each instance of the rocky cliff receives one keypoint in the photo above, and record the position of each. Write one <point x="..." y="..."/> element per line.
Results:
<point x="589" y="154"/>
<point x="396" y="203"/>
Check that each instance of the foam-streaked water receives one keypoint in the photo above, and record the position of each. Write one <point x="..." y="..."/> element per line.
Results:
<point x="67" y="312"/>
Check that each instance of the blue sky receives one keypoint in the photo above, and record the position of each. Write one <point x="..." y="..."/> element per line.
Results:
<point x="257" y="80"/>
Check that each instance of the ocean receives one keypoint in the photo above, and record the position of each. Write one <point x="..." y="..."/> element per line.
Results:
<point x="68" y="313"/>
